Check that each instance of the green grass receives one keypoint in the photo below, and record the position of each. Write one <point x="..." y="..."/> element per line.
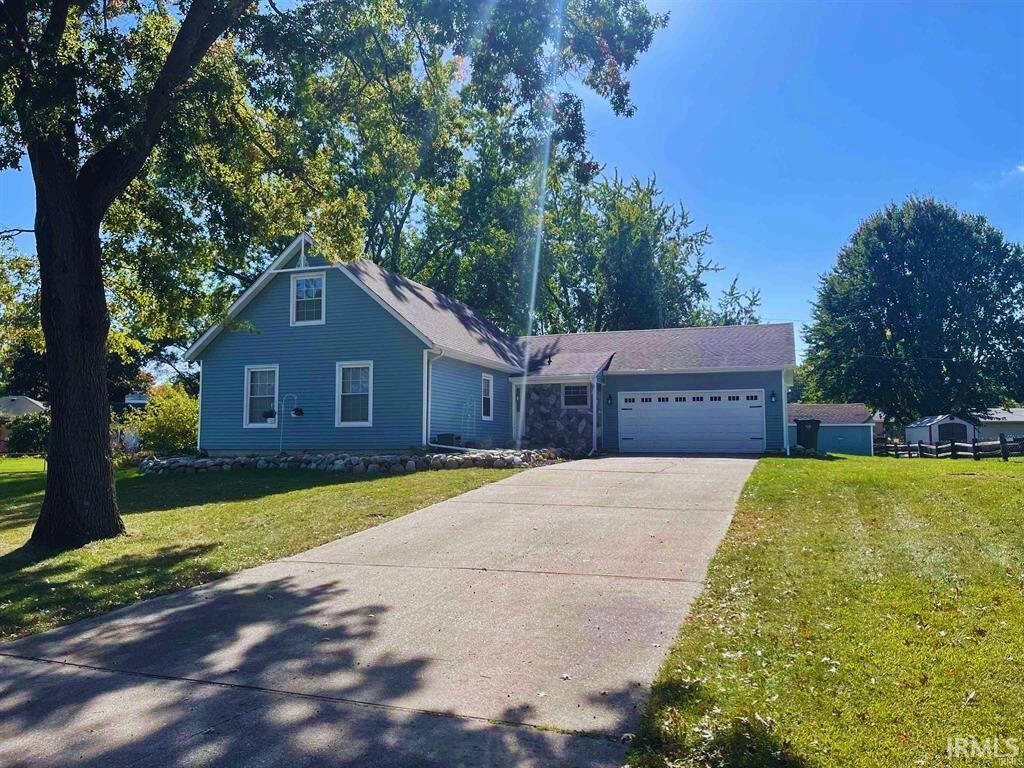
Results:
<point x="184" y="530"/>
<point x="859" y="612"/>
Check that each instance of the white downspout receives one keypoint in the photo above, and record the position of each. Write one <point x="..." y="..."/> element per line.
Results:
<point x="426" y="397"/>
<point x="785" y="414"/>
<point x="199" y="404"/>
<point x="428" y="364"/>
<point x="593" y="418"/>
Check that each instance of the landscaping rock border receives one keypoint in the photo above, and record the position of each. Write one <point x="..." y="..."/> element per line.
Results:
<point x="391" y="464"/>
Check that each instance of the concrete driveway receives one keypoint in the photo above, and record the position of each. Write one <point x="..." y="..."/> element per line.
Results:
<point x="519" y="624"/>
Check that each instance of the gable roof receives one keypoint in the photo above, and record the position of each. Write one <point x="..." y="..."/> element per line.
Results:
<point x="831" y="413"/>
<point x="440" y="321"/>
<point x="446" y="322"/>
<point x="567" y="364"/>
<point x="19" y="405"/>
<point x="769" y="346"/>
<point x="448" y="325"/>
<point x="295" y="246"/>
<point x="927" y="421"/>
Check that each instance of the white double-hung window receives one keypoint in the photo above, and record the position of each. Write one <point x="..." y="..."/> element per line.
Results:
<point x="260" y="407"/>
<point x="575" y="396"/>
<point x="354" y="386"/>
<point x="487" y="397"/>
<point x="308" y="298"/>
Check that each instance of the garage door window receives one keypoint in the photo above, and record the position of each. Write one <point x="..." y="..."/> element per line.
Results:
<point x="727" y="421"/>
<point x="575" y="396"/>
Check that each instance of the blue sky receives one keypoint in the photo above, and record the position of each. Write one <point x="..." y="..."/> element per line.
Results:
<point x="781" y="126"/>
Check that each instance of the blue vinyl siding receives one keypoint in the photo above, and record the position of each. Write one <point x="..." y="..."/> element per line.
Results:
<point x="834" y="438"/>
<point x="769" y="381"/>
<point x="456" y="407"/>
<point x="356" y="328"/>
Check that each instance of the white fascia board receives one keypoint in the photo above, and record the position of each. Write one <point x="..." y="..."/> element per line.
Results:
<point x="582" y="378"/>
<point x="483" y="362"/>
<point x="672" y="371"/>
<point x="249" y="294"/>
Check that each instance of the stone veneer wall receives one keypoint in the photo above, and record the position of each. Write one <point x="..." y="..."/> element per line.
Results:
<point x="548" y="424"/>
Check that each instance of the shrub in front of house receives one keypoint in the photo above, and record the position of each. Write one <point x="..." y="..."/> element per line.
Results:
<point x="29" y="433"/>
<point x="169" y="423"/>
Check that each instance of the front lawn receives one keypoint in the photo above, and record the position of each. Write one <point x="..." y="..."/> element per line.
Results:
<point x="184" y="530"/>
<point x="859" y="613"/>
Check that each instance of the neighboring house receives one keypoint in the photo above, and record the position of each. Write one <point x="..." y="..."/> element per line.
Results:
<point x="1005" y="421"/>
<point x="351" y="357"/>
<point x="13" y="406"/>
<point x="845" y="427"/>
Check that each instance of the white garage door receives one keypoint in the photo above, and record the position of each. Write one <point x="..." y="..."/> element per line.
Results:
<point x="711" y="421"/>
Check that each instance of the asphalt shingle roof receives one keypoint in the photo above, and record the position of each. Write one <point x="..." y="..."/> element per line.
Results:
<point x="1000" y="415"/>
<point x="831" y="413"/>
<point x="770" y="345"/>
<point x="445" y="321"/>
<point x="451" y="324"/>
<point x="568" y="364"/>
<point x="19" y="405"/>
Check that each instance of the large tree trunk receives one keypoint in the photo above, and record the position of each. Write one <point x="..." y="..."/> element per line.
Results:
<point x="80" y="504"/>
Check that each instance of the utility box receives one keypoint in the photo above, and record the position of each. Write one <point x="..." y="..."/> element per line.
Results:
<point x="807" y="433"/>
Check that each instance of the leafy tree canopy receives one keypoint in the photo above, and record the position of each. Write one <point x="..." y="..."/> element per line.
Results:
<point x="362" y="121"/>
<point x="923" y="314"/>
<point x="618" y="257"/>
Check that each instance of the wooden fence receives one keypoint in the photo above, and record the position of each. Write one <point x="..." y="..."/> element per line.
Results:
<point x="977" y="450"/>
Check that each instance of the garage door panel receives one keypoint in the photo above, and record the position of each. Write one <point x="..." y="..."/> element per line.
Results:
<point x="692" y="421"/>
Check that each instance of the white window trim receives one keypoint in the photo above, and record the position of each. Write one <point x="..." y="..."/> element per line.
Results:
<point x="245" y="402"/>
<point x="576" y="407"/>
<point x="490" y="379"/>
<point x="339" y="367"/>
<point x="323" y="298"/>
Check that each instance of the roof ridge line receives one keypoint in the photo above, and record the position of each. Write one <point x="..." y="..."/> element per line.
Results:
<point x="437" y="292"/>
<point x="650" y="330"/>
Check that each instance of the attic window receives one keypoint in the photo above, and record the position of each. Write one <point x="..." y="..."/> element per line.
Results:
<point x="307" y="305"/>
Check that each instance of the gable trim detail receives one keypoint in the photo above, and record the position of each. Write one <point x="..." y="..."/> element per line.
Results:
<point x="298" y="244"/>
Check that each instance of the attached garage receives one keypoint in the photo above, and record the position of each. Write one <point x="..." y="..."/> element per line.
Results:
<point x="692" y="421"/>
<point x="719" y="390"/>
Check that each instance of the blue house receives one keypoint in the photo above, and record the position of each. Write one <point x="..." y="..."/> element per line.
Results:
<point x="330" y="357"/>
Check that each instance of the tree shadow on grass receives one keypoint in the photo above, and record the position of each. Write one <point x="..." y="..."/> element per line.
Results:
<point x="61" y="590"/>
<point x="747" y="742"/>
<point x="21" y="493"/>
<point x="283" y="668"/>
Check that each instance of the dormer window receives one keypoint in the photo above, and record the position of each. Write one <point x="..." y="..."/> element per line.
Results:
<point x="307" y="306"/>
